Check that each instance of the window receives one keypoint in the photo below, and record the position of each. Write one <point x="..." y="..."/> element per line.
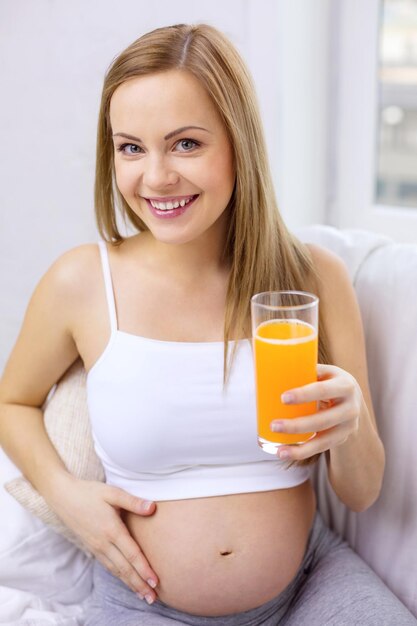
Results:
<point x="396" y="175"/>
<point x="372" y="172"/>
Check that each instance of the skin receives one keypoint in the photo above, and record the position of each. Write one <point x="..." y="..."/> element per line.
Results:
<point x="176" y="265"/>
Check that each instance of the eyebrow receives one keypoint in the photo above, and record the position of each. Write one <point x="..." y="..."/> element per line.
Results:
<point x="169" y="136"/>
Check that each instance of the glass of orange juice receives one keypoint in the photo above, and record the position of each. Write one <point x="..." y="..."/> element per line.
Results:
<point x="285" y="342"/>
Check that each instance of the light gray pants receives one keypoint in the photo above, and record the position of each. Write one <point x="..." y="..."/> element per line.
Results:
<point x="333" y="587"/>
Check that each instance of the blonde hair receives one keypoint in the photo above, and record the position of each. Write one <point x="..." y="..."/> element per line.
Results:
<point x="263" y="254"/>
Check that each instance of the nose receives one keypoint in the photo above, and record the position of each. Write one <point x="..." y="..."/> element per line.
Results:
<point x="158" y="173"/>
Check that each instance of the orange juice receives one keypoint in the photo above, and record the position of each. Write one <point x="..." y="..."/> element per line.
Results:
<point x="285" y="358"/>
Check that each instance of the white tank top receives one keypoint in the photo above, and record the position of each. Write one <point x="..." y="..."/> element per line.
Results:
<point x="163" y="425"/>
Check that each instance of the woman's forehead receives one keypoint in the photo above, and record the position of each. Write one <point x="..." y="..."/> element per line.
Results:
<point x="164" y="98"/>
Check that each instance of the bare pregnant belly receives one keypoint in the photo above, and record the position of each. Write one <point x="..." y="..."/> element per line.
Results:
<point x="221" y="555"/>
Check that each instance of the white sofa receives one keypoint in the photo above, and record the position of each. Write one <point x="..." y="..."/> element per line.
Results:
<point x="44" y="579"/>
<point x="384" y="274"/>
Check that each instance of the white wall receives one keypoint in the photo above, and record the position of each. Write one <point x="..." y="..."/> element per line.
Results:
<point x="54" y="55"/>
<point x="303" y="123"/>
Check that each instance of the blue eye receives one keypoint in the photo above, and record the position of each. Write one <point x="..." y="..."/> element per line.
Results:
<point x="129" y="149"/>
<point x="188" y="144"/>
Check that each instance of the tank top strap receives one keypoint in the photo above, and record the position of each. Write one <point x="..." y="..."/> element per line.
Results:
<point x="111" y="304"/>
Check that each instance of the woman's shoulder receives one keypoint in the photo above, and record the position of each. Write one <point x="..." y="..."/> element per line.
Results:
<point x="338" y="303"/>
<point x="78" y="270"/>
<point x="75" y="264"/>
<point x="77" y="257"/>
<point x="334" y="285"/>
<point x="73" y="273"/>
<point x="327" y="264"/>
<point x="331" y="273"/>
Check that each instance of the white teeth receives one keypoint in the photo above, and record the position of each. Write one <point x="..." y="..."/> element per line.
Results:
<point x="168" y="206"/>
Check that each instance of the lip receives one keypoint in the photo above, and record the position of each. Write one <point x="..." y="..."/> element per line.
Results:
<point x="172" y="213"/>
<point x="171" y="198"/>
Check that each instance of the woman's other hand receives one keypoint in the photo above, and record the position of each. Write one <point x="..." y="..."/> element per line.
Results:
<point x="339" y="400"/>
<point x="93" y="511"/>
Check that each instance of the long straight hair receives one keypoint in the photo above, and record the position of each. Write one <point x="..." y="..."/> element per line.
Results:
<point x="262" y="253"/>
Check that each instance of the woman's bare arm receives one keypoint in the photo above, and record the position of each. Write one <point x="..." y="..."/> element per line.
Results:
<point x="43" y="352"/>
<point x="356" y="466"/>
<point x="345" y="425"/>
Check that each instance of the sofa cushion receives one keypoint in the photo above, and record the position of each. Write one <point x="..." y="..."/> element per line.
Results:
<point x="68" y="426"/>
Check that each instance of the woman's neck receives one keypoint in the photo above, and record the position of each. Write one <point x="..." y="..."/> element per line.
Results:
<point x="191" y="262"/>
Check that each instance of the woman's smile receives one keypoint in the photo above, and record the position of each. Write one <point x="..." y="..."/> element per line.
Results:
<point x="170" y="207"/>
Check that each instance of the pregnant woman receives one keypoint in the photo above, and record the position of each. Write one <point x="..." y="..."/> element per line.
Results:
<point x="195" y="523"/>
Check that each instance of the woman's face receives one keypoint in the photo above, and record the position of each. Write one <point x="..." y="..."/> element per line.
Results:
<point x="173" y="159"/>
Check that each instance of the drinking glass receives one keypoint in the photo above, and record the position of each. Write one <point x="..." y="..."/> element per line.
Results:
<point x="285" y="341"/>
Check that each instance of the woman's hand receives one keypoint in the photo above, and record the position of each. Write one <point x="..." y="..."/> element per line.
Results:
<point x="93" y="510"/>
<point x="339" y="399"/>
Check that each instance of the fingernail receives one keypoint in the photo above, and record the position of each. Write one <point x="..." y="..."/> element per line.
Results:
<point x="149" y="599"/>
<point x="284" y="454"/>
<point x="277" y="427"/>
<point x="145" y="505"/>
<point x="287" y="398"/>
<point x="152" y="583"/>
